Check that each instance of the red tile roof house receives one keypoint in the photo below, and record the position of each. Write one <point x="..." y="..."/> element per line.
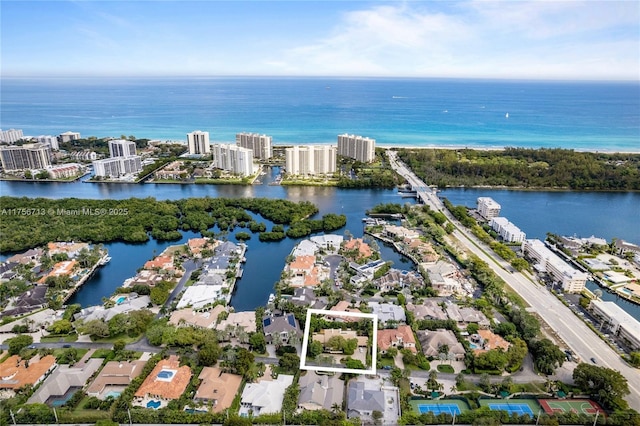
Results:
<point x="402" y="337"/>
<point x="166" y="382"/>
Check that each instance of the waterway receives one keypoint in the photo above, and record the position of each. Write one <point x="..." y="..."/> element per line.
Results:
<point x="536" y="213"/>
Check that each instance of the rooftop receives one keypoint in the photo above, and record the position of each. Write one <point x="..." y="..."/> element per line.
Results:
<point x="14" y="372"/>
<point x="157" y="385"/>
<point x="219" y="387"/>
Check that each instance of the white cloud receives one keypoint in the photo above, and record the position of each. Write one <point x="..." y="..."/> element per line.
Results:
<point x="500" y="39"/>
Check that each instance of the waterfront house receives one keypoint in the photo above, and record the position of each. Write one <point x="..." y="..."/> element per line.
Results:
<point x="217" y="388"/>
<point x="189" y="317"/>
<point x="356" y="249"/>
<point x="239" y="321"/>
<point x="284" y="326"/>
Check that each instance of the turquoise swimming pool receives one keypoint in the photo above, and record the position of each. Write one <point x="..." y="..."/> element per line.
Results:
<point x="153" y="404"/>
<point x="121" y="299"/>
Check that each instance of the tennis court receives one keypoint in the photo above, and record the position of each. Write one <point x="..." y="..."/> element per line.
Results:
<point x="576" y="406"/>
<point x="513" y="406"/>
<point x="450" y="407"/>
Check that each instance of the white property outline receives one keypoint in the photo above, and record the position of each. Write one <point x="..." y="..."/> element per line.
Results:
<point x="305" y="342"/>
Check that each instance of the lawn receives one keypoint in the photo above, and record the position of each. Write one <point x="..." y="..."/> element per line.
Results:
<point x="57" y="339"/>
<point x="445" y="368"/>
<point x="57" y="353"/>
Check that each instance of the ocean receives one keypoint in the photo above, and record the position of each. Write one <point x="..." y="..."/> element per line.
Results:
<point x="594" y="116"/>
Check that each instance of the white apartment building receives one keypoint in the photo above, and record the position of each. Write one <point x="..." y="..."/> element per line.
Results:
<point x="52" y="141"/>
<point x="507" y="230"/>
<point x="572" y="280"/>
<point x="29" y="156"/>
<point x="11" y="135"/>
<point x="117" y="166"/>
<point x="68" y="137"/>
<point x="488" y="208"/>
<point x="198" y="142"/>
<point x="233" y="158"/>
<point x="260" y="144"/>
<point x="357" y="147"/>
<point x="121" y="148"/>
<point x="617" y="321"/>
<point x="311" y="160"/>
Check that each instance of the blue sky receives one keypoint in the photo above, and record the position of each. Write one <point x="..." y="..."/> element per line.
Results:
<point x="484" y="39"/>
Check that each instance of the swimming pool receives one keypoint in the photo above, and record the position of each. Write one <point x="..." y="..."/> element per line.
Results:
<point x="473" y="346"/>
<point x="166" y="375"/>
<point x="121" y="299"/>
<point x="112" y="394"/>
<point x="153" y="404"/>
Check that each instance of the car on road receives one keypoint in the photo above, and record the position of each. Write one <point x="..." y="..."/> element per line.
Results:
<point x="31" y="346"/>
<point x="593" y="360"/>
<point x="387" y="367"/>
<point x="66" y="346"/>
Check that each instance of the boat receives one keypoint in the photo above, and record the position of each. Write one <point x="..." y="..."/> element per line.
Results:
<point x="104" y="260"/>
<point x="506" y="115"/>
<point x="272" y="298"/>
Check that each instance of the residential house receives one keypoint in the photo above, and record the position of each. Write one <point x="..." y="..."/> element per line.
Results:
<point x="283" y="326"/>
<point x="320" y="391"/>
<point x="239" y="320"/>
<point x="162" y="262"/>
<point x="16" y="373"/>
<point x="166" y="382"/>
<point x="429" y="309"/>
<point x="328" y="242"/>
<point x="486" y="340"/>
<point x="217" y="388"/>
<point x="189" y="317"/>
<point x="303" y="271"/>
<point x="200" y="296"/>
<point x="358" y="247"/>
<point x="30" y="300"/>
<point x="305" y="248"/>
<point x="105" y="314"/>
<point x="29" y="256"/>
<point x="399" y="233"/>
<point x="114" y="377"/>
<point x="196" y="245"/>
<point x="66" y="268"/>
<point x="343" y="306"/>
<point x="324" y="335"/>
<point x="71" y="249"/>
<point x="264" y="397"/>
<point x="388" y="312"/>
<point x="432" y="341"/>
<point x="466" y="315"/>
<point x="63" y="380"/>
<point x="399" y="279"/>
<point x="362" y="402"/>
<point x="402" y="337"/>
<point x="305" y="296"/>
<point x="444" y="277"/>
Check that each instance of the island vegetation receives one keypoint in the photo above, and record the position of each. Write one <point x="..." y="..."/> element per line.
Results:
<point x="526" y="168"/>
<point x="31" y="222"/>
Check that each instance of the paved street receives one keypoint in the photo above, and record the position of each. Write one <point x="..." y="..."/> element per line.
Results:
<point x="571" y="329"/>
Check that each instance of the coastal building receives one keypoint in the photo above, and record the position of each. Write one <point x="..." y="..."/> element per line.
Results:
<point x="68" y="137"/>
<point x="52" y="141"/>
<point x="259" y="144"/>
<point x="388" y="312"/>
<point x="121" y="148"/>
<point x="198" y="142"/>
<point x="429" y="309"/>
<point x="11" y="135"/>
<point x="65" y="380"/>
<point x="507" y="230"/>
<point x="264" y="397"/>
<point x="618" y="322"/>
<point x="28" y="156"/>
<point x="237" y="321"/>
<point x="357" y="147"/>
<point x="117" y="166"/>
<point x="166" y="382"/>
<point x="64" y="171"/>
<point x="571" y="279"/>
<point x="325" y="335"/>
<point x="233" y="159"/>
<point x="488" y="208"/>
<point x="281" y="328"/>
<point x="190" y="318"/>
<point x="320" y="391"/>
<point x="16" y="373"/>
<point x="114" y="377"/>
<point x="310" y="160"/>
<point x="217" y="388"/>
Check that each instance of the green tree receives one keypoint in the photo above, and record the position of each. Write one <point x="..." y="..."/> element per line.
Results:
<point x="208" y="354"/>
<point x="95" y="328"/>
<point x="547" y="355"/>
<point x="634" y="359"/>
<point x="16" y="344"/>
<point x="289" y="362"/>
<point x="315" y="348"/>
<point x="258" y="342"/>
<point x="607" y="385"/>
<point x="62" y="326"/>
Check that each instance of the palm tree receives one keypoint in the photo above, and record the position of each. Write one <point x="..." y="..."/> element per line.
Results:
<point x="453" y="388"/>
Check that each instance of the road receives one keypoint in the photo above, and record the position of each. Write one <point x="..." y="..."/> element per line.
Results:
<point x="571" y="329"/>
